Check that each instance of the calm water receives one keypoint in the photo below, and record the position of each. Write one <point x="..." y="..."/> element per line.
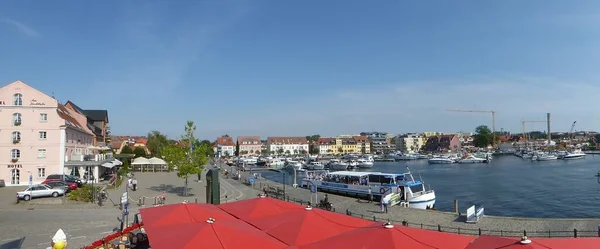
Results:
<point x="508" y="186"/>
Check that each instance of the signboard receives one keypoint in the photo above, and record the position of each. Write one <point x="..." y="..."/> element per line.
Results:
<point x="34" y="102"/>
<point x="15" y="166"/>
<point x="251" y="180"/>
<point x="394" y="199"/>
<point x="124" y="198"/>
<point x="313" y="188"/>
<point x="126" y="209"/>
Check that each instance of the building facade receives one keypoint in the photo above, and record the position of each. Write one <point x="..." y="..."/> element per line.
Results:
<point x="327" y="145"/>
<point x="96" y="121"/>
<point x="380" y="143"/>
<point x="443" y="143"/>
<point x="411" y="142"/>
<point x="287" y="145"/>
<point x="224" y="146"/>
<point x="41" y="135"/>
<point x="249" y="145"/>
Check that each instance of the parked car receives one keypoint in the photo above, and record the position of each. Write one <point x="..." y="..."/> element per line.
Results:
<point x="59" y="184"/>
<point x="39" y="190"/>
<point x="2" y="183"/>
<point x="67" y="178"/>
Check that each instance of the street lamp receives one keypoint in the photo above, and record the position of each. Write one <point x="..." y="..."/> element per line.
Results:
<point x="283" y="174"/>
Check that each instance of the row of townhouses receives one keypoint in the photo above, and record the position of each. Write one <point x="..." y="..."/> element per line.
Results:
<point x="41" y="136"/>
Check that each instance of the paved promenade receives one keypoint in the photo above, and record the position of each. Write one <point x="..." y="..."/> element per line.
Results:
<point x="447" y="221"/>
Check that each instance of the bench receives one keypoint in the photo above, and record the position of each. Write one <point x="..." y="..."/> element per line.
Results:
<point x="473" y="214"/>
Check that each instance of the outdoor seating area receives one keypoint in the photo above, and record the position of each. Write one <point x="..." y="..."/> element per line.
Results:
<point x="153" y="164"/>
<point x="270" y="223"/>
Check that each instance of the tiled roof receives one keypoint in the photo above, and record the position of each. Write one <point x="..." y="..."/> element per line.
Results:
<point x="360" y="139"/>
<point x="70" y="121"/>
<point x="96" y="115"/>
<point x="241" y="139"/>
<point x="326" y="140"/>
<point x="225" y="141"/>
<point x="287" y="140"/>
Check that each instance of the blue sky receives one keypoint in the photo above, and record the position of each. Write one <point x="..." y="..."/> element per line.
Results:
<point x="310" y="67"/>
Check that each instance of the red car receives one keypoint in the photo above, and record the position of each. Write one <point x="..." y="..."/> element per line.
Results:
<point x="72" y="185"/>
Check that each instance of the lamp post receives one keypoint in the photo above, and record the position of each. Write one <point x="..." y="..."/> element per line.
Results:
<point x="283" y="173"/>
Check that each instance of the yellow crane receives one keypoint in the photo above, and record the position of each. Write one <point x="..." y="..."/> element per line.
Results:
<point x="523" y="127"/>
<point x="482" y="111"/>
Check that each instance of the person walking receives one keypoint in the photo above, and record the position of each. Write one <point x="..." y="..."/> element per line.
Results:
<point x="134" y="183"/>
<point x="386" y="202"/>
<point x="370" y="195"/>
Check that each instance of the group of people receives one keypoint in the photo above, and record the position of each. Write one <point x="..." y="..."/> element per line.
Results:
<point x="132" y="183"/>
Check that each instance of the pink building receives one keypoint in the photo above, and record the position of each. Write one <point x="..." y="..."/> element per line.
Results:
<point x="249" y="145"/>
<point x="40" y="136"/>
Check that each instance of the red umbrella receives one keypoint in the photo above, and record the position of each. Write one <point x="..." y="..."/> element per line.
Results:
<point x="259" y="208"/>
<point x="379" y="236"/>
<point x="495" y="242"/>
<point x="568" y="243"/>
<point x="306" y="226"/>
<point x="214" y="234"/>
<point x="181" y="214"/>
<point x="438" y="239"/>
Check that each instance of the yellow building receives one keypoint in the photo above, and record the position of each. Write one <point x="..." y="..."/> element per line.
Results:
<point x="352" y="145"/>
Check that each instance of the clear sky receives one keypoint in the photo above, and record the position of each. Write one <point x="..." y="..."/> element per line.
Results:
<point x="283" y="68"/>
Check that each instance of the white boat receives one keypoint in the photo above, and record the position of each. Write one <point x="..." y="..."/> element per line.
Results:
<point x="337" y="164"/>
<point x="294" y="165"/>
<point x="544" y="157"/>
<point x="276" y="162"/>
<point x="408" y="156"/>
<point x="315" y="166"/>
<point x="441" y="160"/>
<point x="352" y="164"/>
<point x="472" y="159"/>
<point x="365" y="162"/>
<point x="352" y="183"/>
<point x="574" y="155"/>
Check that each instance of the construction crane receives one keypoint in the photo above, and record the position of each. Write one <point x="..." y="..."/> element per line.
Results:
<point x="571" y="131"/>
<point x="482" y="111"/>
<point x="523" y="126"/>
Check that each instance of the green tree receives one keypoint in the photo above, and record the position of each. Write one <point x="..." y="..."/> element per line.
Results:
<point x="139" y="152"/>
<point x="280" y="151"/>
<point x="156" y="141"/>
<point x="205" y="142"/>
<point x="126" y="150"/>
<point x="340" y="150"/>
<point x="316" y="150"/>
<point x="227" y="154"/>
<point x="264" y="152"/>
<point x="313" y="137"/>
<point x="483" y="136"/>
<point x="288" y="152"/>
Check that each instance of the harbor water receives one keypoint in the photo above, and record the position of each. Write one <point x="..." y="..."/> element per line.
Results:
<point x="508" y="186"/>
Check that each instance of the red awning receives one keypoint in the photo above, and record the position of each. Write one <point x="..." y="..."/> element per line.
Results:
<point x="305" y="226"/>
<point x="259" y="208"/>
<point x="438" y="239"/>
<point x="568" y="243"/>
<point x="225" y="234"/>
<point x="494" y="242"/>
<point x="379" y="237"/>
<point x="177" y="214"/>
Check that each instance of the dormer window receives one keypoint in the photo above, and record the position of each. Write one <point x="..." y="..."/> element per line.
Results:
<point x="18" y="99"/>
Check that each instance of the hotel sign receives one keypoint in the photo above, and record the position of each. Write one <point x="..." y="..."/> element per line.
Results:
<point x="15" y="166"/>
<point x="34" y="102"/>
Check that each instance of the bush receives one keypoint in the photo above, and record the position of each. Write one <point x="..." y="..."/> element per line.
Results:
<point x="84" y="194"/>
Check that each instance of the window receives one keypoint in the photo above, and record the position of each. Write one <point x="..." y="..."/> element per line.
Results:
<point x="16" y="136"/>
<point x="42" y="135"/>
<point x="41" y="172"/>
<point x="17" y="119"/>
<point x="18" y="99"/>
<point x="43" y="117"/>
<point x="41" y="153"/>
<point x="15" y="154"/>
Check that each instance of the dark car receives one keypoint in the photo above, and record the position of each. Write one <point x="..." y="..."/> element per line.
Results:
<point x="67" y="178"/>
<point x="68" y="186"/>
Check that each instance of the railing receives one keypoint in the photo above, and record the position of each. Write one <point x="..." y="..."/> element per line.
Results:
<point x="278" y="193"/>
<point x="88" y="157"/>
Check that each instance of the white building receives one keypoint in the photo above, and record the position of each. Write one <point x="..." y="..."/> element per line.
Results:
<point x="287" y="145"/>
<point x="327" y="146"/>
<point x="411" y="142"/>
<point x="225" y="146"/>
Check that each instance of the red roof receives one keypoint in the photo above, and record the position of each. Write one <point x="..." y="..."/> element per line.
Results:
<point x="287" y="140"/>
<point x="225" y="141"/>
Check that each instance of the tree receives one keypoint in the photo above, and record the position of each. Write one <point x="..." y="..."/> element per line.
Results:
<point x="252" y="151"/>
<point x="126" y="150"/>
<point x="313" y="137"/>
<point x="296" y="151"/>
<point x="340" y="150"/>
<point x="156" y="141"/>
<point x="316" y="150"/>
<point x="139" y="152"/>
<point x="227" y="154"/>
<point x="188" y="161"/>
<point x="280" y="151"/>
<point x="288" y="152"/>
<point x="483" y="137"/>
<point x="264" y="152"/>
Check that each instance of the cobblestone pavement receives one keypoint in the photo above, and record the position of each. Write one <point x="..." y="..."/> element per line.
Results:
<point x="450" y="222"/>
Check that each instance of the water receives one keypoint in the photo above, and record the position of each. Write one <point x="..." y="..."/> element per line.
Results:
<point x="508" y="186"/>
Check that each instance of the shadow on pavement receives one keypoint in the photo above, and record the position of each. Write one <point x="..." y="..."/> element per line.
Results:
<point x="171" y="189"/>
<point x="15" y="244"/>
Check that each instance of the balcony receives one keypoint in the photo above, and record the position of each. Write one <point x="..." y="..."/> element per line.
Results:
<point x="16" y="141"/>
<point x="17" y="122"/>
<point x="89" y="157"/>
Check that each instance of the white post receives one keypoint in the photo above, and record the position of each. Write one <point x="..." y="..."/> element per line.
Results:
<point x="62" y="150"/>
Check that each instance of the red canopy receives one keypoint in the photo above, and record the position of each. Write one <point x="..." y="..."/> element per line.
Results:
<point x="568" y="243"/>
<point x="379" y="237"/>
<point x="218" y="234"/>
<point x="259" y="208"/>
<point x="494" y="242"/>
<point x="438" y="239"/>
<point x="308" y="225"/>
<point x="181" y="214"/>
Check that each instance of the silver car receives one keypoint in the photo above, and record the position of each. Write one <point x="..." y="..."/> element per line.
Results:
<point x="40" y="190"/>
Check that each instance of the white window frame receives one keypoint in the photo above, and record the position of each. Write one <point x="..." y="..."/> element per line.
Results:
<point x="18" y="99"/>
<point x="43" y="117"/>
<point x="17" y="117"/>
<point x="15" y="154"/>
<point x="41" y="153"/>
<point x="43" y="135"/>
<point x="16" y="135"/>
<point x="41" y="172"/>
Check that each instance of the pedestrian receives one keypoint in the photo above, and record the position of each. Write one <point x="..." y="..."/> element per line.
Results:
<point x="370" y="195"/>
<point x="381" y="205"/>
<point x="130" y="183"/>
<point x="386" y="202"/>
<point x="134" y="183"/>
<point x="163" y="197"/>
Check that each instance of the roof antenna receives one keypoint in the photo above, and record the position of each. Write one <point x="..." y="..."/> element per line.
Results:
<point x="53" y="95"/>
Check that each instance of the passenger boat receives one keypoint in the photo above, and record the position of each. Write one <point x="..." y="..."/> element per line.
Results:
<point x="315" y="166"/>
<point x="353" y="183"/>
<point x="365" y="162"/>
<point x="441" y="160"/>
<point x="294" y="165"/>
<point x="472" y="159"/>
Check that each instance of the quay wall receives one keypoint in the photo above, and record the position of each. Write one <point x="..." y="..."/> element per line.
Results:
<point x="437" y="220"/>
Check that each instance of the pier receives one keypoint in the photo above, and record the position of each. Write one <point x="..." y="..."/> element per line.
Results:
<point x="454" y="222"/>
